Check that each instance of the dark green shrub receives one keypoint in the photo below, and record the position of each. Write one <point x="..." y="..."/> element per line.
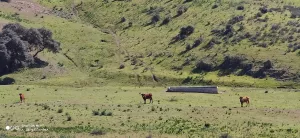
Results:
<point x="109" y="114"/>
<point x="96" y="113"/>
<point x="59" y="110"/>
<point x="69" y="118"/>
<point x="97" y="132"/>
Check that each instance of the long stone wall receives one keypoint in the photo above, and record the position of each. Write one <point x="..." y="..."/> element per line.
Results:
<point x="194" y="89"/>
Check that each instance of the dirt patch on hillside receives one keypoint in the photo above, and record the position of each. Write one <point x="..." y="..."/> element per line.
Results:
<point x="25" y="6"/>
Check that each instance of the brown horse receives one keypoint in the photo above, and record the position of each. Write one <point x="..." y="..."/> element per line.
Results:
<point x="22" y="98"/>
<point x="244" y="100"/>
<point x="147" y="96"/>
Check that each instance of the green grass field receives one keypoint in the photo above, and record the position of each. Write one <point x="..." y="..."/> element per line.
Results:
<point x="122" y="112"/>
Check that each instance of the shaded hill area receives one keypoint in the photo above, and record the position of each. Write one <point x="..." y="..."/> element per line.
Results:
<point x="235" y="43"/>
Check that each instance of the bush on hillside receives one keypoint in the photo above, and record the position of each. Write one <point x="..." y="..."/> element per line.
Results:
<point x="198" y="42"/>
<point x="122" y="66"/>
<point x="181" y="10"/>
<point x="204" y="66"/>
<point x="275" y="27"/>
<point x="235" y="20"/>
<point x="60" y="110"/>
<point x="188" y="47"/>
<point x="123" y="19"/>
<point x="228" y="30"/>
<point x="214" y="6"/>
<point x="259" y="73"/>
<point x="246" y="69"/>
<point x="263" y="10"/>
<point x="184" y="33"/>
<point x="267" y="64"/>
<point x="69" y="118"/>
<point x="231" y="62"/>
<point x="155" y="19"/>
<point x="95" y="113"/>
<point x="165" y="21"/>
<point x="241" y="7"/>
<point x="293" y="47"/>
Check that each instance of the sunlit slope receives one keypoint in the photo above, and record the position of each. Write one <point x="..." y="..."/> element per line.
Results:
<point x="241" y="43"/>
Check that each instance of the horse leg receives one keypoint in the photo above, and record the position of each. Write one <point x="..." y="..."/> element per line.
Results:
<point x="144" y="101"/>
<point x="241" y="104"/>
<point x="151" y="101"/>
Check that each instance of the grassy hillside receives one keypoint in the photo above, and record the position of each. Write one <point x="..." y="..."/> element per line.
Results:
<point x="259" y="39"/>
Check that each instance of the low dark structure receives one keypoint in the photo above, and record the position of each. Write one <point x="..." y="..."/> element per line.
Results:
<point x="194" y="89"/>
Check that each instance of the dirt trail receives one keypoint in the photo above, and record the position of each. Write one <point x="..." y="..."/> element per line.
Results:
<point x="25" y="7"/>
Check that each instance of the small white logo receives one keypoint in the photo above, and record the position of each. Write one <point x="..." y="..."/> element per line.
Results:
<point x="26" y="128"/>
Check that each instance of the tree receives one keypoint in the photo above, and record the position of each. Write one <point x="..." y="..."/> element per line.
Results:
<point x="4" y="58"/>
<point x="47" y="42"/>
<point x="17" y="43"/>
